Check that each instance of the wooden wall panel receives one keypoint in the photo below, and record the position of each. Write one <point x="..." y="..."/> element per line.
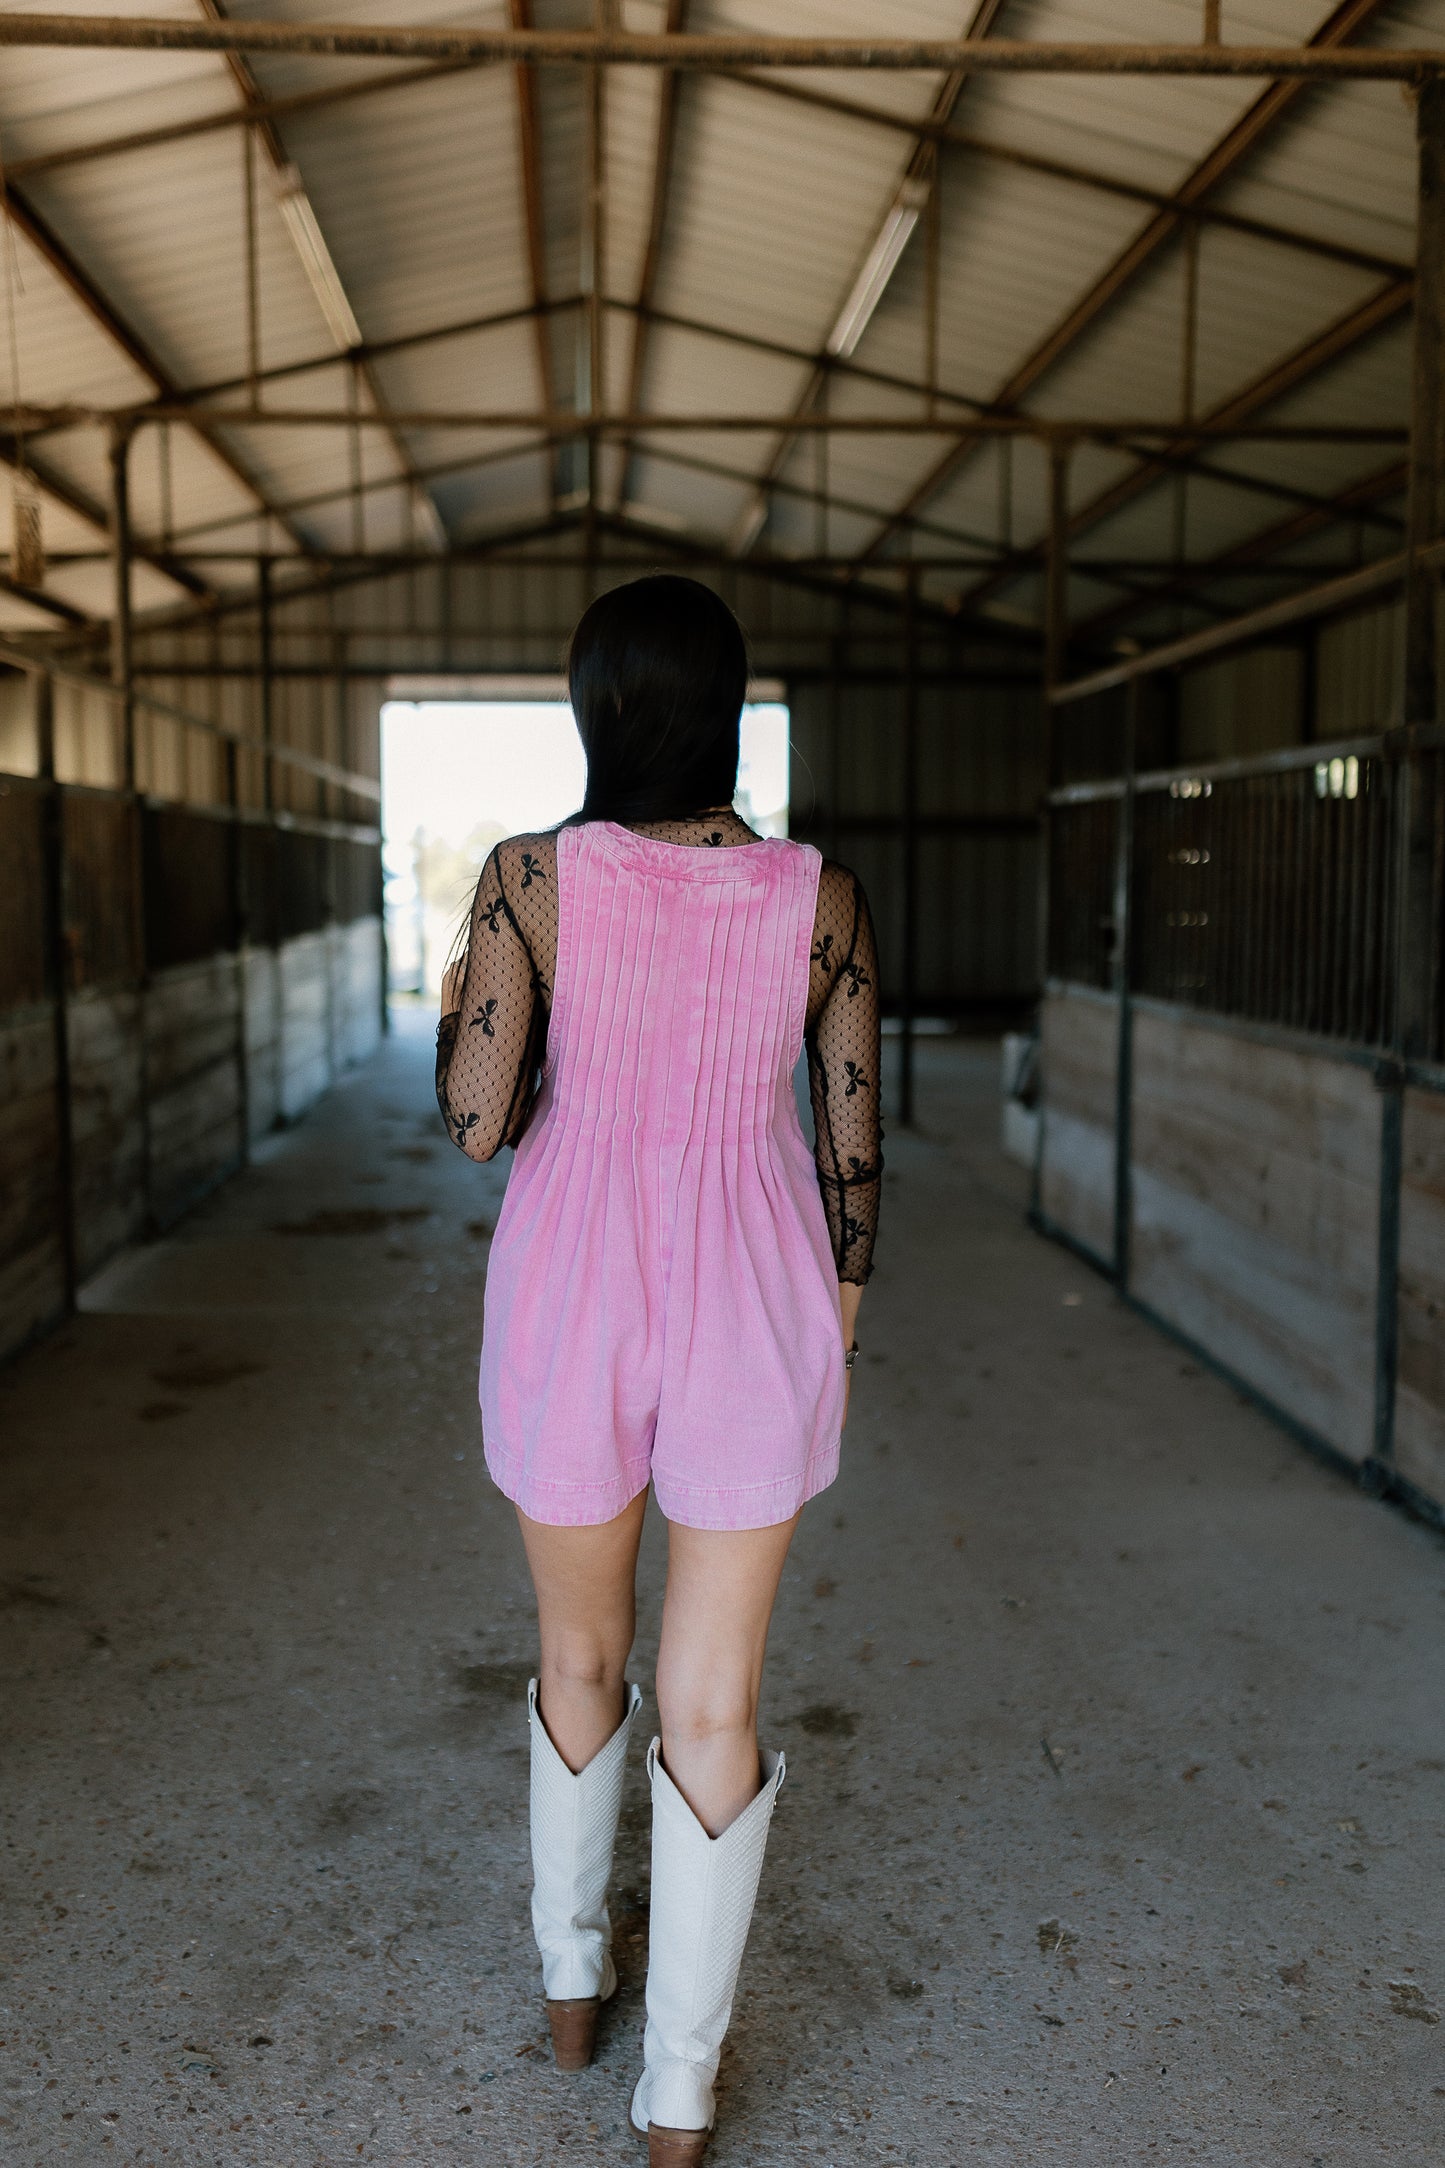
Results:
<point x="305" y="1004"/>
<point x="1420" y="1391"/>
<point x="193" y="1080"/>
<point x="32" y="1259"/>
<point x="261" y="980"/>
<point x="1079" y="1059"/>
<point x="1256" y="1214"/>
<point x="105" y="1083"/>
<point x="357" y="1008"/>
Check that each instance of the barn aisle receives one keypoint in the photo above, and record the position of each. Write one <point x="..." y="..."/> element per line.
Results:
<point x="1116" y="1741"/>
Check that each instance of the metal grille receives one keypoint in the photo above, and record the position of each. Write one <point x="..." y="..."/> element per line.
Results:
<point x="1267" y="896"/>
<point x="1082" y="931"/>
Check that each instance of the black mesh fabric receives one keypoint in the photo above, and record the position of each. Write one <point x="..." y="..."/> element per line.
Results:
<point x="492" y="1038"/>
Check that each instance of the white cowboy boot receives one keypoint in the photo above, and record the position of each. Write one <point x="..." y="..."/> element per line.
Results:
<point x="574" y="1827"/>
<point x="703" y="1890"/>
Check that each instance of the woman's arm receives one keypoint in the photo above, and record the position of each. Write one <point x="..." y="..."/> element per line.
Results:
<point x="844" y="1045"/>
<point x="493" y="1031"/>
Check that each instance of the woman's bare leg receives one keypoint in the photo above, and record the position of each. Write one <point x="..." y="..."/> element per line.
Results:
<point x="721" y="1585"/>
<point x="585" y="1580"/>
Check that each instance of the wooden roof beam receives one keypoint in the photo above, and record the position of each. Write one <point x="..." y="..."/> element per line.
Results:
<point x="982" y="19"/>
<point x="1252" y="554"/>
<point x="1227" y="155"/>
<point x="644" y="317"/>
<point x="288" y="176"/>
<point x="48" y="244"/>
<point x="1316" y="354"/>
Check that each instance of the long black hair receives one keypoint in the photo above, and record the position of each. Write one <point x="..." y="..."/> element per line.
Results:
<point x="658" y="672"/>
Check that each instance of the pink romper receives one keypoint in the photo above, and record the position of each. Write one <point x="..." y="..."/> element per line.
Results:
<point x="662" y="1297"/>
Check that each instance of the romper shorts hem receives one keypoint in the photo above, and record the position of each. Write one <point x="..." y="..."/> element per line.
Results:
<point x="563" y="1505"/>
<point x="751" y="1505"/>
<point x="588" y="1505"/>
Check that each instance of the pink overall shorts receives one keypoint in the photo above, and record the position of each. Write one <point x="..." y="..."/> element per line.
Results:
<point x="662" y="1298"/>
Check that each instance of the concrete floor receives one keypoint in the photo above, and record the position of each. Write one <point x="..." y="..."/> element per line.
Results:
<point x="1113" y="1828"/>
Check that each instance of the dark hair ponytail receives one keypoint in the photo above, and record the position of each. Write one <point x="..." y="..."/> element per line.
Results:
<point x="658" y="673"/>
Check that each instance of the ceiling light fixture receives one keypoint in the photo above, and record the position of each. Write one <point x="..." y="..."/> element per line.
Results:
<point x="315" y="256"/>
<point x="882" y="260"/>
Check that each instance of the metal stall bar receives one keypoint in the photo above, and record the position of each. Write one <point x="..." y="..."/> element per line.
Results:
<point x="57" y="970"/>
<point x="908" y="837"/>
<point x="1415" y="780"/>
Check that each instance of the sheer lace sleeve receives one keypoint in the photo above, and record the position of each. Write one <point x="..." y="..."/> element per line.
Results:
<point x="491" y="1046"/>
<point x="844" y="1058"/>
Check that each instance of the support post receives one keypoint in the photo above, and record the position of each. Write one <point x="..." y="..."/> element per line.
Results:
<point x="1123" y="976"/>
<point x="266" y="682"/>
<point x="236" y="875"/>
<point x="57" y="971"/>
<point x="591" y="330"/>
<point x="837" y="666"/>
<point x="122" y="677"/>
<point x="908" y="986"/>
<point x="122" y="672"/>
<point x="1415" y="933"/>
<point x="1056" y="574"/>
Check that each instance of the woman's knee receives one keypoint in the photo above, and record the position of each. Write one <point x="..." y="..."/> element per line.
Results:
<point x="583" y="1657"/>
<point x="695" y="1711"/>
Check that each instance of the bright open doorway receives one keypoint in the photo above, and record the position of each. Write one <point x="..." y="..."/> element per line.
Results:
<point x="460" y="771"/>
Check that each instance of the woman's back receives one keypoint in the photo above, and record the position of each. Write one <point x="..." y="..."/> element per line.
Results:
<point x="678" y="940"/>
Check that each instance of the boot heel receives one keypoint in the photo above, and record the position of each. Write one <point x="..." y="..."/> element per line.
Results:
<point x="574" y="2031"/>
<point x="675" y="2148"/>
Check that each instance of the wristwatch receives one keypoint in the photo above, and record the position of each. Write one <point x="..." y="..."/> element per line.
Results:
<point x="850" y="1356"/>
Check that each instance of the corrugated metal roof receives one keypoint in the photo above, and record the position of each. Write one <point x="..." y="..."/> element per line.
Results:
<point x="421" y="194"/>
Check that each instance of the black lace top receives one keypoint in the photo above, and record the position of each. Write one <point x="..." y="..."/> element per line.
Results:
<point x="492" y="1039"/>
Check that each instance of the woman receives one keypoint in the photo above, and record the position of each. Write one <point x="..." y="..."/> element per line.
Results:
<point x="672" y="1292"/>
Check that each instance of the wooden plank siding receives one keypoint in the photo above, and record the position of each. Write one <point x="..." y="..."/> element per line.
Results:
<point x="160" y="1096"/>
<point x="1079" y="1057"/>
<point x="193" y="1081"/>
<point x="32" y="1254"/>
<point x="1255" y="1214"/>
<point x="1420" y="1392"/>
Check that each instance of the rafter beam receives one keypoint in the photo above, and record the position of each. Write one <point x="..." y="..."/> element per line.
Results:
<point x="203" y="124"/>
<point x="284" y="172"/>
<point x="1256" y="485"/>
<point x="644" y="318"/>
<point x="1063" y="169"/>
<point x="48" y="244"/>
<point x="984" y="15"/>
<point x="871" y="116"/>
<point x="1233" y="147"/>
<point x="619" y="48"/>
<point x="530" y="175"/>
<point x="74" y="500"/>
<point x="1119" y="431"/>
<point x="65" y="612"/>
<point x="1337" y="339"/>
<point x="1250" y="556"/>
